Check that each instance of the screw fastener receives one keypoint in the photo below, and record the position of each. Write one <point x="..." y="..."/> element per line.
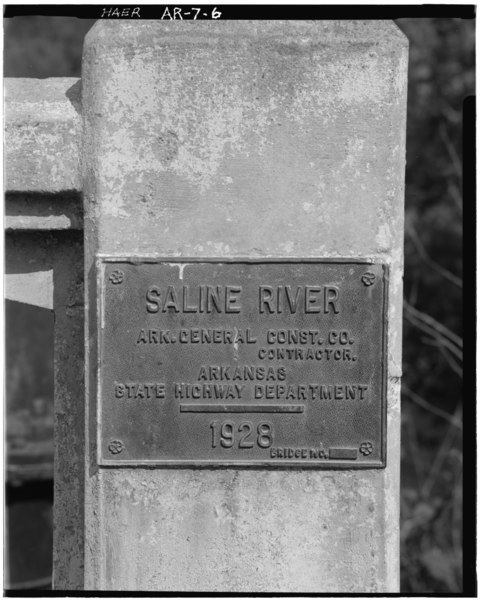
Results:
<point x="366" y="448"/>
<point x="368" y="278"/>
<point x="116" y="446"/>
<point x="116" y="276"/>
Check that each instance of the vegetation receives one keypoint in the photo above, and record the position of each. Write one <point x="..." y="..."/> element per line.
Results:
<point x="441" y="75"/>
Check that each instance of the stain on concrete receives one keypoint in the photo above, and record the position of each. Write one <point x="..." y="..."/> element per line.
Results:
<point x="167" y="147"/>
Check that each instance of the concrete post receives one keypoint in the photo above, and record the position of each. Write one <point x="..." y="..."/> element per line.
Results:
<point x="253" y="140"/>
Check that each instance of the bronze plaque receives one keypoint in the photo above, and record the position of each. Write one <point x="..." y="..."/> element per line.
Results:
<point x="248" y="363"/>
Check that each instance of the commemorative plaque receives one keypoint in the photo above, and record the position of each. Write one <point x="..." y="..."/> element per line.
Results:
<point x="249" y="363"/>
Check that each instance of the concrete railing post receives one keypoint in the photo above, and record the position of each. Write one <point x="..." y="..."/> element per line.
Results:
<point x="243" y="187"/>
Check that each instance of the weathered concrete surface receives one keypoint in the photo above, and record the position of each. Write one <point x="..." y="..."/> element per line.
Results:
<point x="43" y="212"/>
<point x="46" y="269"/>
<point x="31" y="287"/>
<point x="42" y="134"/>
<point x="245" y="139"/>
<point x="68" y="559"/>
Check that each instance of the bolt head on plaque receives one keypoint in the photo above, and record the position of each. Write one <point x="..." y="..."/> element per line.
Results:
<point x="116" y="446"/>
<point x="368" y="278"/>
<point x="117" y="276"/>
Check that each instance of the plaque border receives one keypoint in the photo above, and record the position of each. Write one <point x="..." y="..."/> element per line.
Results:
<point x="101" y="260"/>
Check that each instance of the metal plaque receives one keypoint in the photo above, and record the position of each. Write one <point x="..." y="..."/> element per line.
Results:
<point x="247" y="363"/>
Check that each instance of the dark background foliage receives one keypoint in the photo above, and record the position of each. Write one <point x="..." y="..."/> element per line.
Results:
<point x="441" y="75"/>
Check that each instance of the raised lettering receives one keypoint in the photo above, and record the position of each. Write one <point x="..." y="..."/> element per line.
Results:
<point x="331" y="296"/>
<point x="231" y="300"/>
<point x="311" y="299"/>
<point x="153" y="299"/>
<point x="266" y="299"/>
